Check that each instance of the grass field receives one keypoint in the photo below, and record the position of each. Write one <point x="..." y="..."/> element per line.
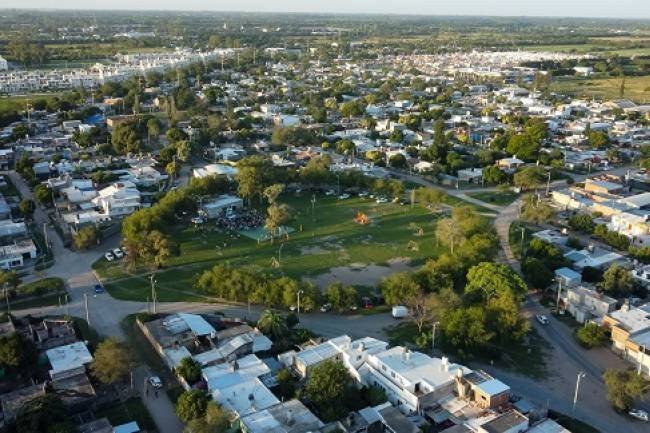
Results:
<point x="636" y="88"/>
<point x="591" y="48"/>
<point x="499" y="198"/>
<point x="329" y="238"/>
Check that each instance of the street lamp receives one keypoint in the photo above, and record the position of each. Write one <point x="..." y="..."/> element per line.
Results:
<point x="581" y="375"/>
<point x="153" y="291"/>
<point x="300" y="292"/>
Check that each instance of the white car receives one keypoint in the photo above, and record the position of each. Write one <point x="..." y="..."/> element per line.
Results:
<point x="330" y="192"/>
<point x="155" y="382"/>
<point x="109" y="256"/>
<point x="118" y="253"/>
<point x="344" y="196"/>
<point x="541" y="318"/>
<point x="382" y="200"/>
<point x="363" y="194"/>
<point x="639" y="414"/>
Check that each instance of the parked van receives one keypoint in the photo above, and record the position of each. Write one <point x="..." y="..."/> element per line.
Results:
<point x="400" y="312"/>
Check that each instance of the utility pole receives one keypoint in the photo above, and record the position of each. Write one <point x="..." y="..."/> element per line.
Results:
<point x="45" y="235"/>
<point x="433" y="336"/>
<point x="523" y="234"/>
<point x="86" y="305"/>
<point x="559" y="293"/>
<point x="641" y="360"/>
<point x="581" y="375"/>
<point x="153" y="291"/>
<point x="548" y="184"/>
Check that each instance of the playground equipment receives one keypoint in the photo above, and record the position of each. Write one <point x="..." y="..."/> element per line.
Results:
<point x="362" y="218"/>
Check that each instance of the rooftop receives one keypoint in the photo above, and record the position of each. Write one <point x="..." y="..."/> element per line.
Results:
<point x="505" y="422"/>
<point x="245" y="397"/>
<point x="68" y="357"/>
<point x="632" y="319"/>
<point x="288" y="417"/>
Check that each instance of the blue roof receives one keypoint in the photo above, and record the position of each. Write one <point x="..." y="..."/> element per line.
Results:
<point x="493" y="387"/>
<point x="95" y="119"/>
<point x="131" y="427"/>
<point x="567" y="273"/>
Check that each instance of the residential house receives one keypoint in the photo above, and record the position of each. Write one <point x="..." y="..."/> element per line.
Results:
<point x="585" y="304"/>
<point x="630" y="333"/>
<point x="118" y="200"/>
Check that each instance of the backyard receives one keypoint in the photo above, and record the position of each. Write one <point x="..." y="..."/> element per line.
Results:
<point x="326" y="244"/>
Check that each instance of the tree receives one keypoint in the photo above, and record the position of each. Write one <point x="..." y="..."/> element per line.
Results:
<point x="329" y="387"/>
<point x="125" y="138"/>
<point x="523" y="146"/>
<point x="448" y="232"/>
<point x="44" y="414"/>
<point x="397" y="161"/>
<point x="465" y="329"/>
<point x="489" y="279"/>
<point x="430" y="198"/>
<point x="112" y="361"/>
<point x="43" y="195"/>
<point x="341" y="297"/>
<point x="623" y="387"/>
<point x="216" y="420"/>
<point x="618" y="281"/>
<point x="493" y="175"/>
<point x="271" y="193"/>
<point x="87" y="237"/>
<point x="529" y="178"/>
<point x="9" y="278"/>
<point x="537" y="274"/>
<point x="17" y="353"/>
<point x="189" y="369"/>
<point x="286" y="385"/>
<point x="26" y="207"/>
<point x="254" y="174"/>
<point x="582" y="222"/>
<point x="277" y="215"/>
<point x="598" y="139"/>
<point x="591" y="335"/>
<point x="273" y="324"/>
<point x="153" y="128"/>
<point x="191" y="405"/>
<point x="399" y="286"/>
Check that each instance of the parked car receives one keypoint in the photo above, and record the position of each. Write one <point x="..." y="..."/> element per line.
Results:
<point x="326" y="307"/>
<point x="293" y="308"/>
<point x="344" y="196"/>
<point x="155" y="382"/>
<point x="330" y="192"/>
<point x="109" y="256"/>
<point x="639" y="414"/>
<point x="363" y="194"/>
<point x="99" y="289"/>
<point x="541" y="318"/>
<point x="400" y="312"/>
<point x="382" y="200"/>
<point x="366" y="302"/>
<point x="118" y="253"/>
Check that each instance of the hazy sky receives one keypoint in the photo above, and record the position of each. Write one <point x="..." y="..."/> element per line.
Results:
<point x="579" y="8"/>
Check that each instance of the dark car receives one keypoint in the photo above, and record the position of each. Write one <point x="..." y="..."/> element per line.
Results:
<point x="99" y="288"/>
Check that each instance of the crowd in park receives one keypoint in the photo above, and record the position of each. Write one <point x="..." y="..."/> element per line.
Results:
<point x="247" y="219"/>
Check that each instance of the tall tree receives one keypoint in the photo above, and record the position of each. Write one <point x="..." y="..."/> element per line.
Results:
<point x="112" y="361"/>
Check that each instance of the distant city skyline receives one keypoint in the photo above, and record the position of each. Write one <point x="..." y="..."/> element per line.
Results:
<point x="639" y="9"/>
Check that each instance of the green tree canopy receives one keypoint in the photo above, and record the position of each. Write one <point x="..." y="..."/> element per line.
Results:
<point x="112" y="362"/>
<point x="191" y="405"/>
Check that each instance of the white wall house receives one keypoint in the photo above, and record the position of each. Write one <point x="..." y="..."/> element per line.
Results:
<point x="3" y="64"/>
<point x="118" y="199"/>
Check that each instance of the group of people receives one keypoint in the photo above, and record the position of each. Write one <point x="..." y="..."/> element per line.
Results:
<point x="243" y="220"/>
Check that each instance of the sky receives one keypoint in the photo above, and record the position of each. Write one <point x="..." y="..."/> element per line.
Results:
<point x="573" y="8"/>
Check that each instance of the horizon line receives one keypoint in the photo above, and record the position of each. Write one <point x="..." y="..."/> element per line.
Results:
<point x="325" y="13"/>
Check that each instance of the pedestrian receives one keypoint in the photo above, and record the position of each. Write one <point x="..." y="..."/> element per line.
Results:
<point x="146" y="392"/>
<point x="156" y="393"/>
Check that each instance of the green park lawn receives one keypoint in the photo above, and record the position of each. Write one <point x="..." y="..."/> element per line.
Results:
<point x="499" y="198"/>
<point x="325" y="239"/>
<point x="636" y="88"/>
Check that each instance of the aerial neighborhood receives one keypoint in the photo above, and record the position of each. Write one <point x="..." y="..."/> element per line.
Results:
<point x="246" y="222"/>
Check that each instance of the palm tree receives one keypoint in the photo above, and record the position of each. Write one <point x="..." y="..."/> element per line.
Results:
<point x="273" y="325"/>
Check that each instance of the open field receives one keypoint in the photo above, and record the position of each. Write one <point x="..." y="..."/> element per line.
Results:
<point x="327" y="241"/>
<point x="636" y="88"/>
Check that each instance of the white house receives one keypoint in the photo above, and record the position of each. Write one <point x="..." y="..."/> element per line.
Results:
<point x="412" y="381"/>
<point x="118" y="199"/>
<point x="3" y="64"/>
